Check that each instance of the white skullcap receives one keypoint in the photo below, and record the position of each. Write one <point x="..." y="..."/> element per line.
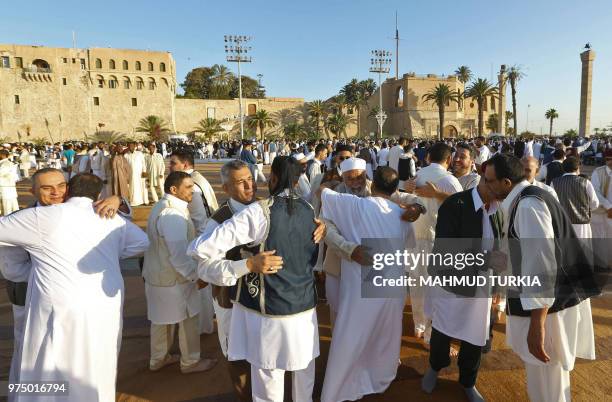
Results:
<point x="310" y="156"/>
<point x="352" y="164"/>
<point x="298" y="157"/>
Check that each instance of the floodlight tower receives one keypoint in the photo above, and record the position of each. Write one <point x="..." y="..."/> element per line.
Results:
<point x="379" y="63"/>
<point x="237" y="53"/>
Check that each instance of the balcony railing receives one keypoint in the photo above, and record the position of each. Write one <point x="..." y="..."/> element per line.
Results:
<point x="35" y="69"/>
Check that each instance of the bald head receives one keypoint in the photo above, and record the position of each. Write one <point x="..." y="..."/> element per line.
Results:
<point x="531" y="166"/>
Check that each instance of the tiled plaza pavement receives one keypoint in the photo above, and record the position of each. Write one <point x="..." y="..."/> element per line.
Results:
<point x="501" y="376"/>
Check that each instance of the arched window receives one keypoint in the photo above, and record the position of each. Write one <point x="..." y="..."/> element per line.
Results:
<point x="162" y="67"/>
<point x="41" y="66"/>
<point x="125" y="65"/>
<point x="138" y="67"/>
<point x="399" y="97"/>
<point x="111" y="64"/>
<point x="98" y="63"/>
<point x="113" y="82"/>
<point x="127" y="83"/>
<point x="100" y="81"/>
<point x="151" y="83"/>
<point x="150" y="64"/>
<point x="139" y="83"/>
<point x="165" y="82"/>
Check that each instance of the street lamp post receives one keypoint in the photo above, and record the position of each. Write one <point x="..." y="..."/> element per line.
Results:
<point x="527" y="121"/>
<point x="237" y="53"/>
<point x="379" y="63"/>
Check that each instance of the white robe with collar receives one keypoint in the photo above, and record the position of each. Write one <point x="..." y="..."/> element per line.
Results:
<point x="75" y="295"/>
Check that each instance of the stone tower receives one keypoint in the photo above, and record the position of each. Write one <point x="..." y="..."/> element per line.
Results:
<point x="587" y="57"/>
<point x="501" y="109"/>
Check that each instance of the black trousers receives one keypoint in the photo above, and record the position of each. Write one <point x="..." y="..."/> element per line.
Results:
<point x="469" y="357"/>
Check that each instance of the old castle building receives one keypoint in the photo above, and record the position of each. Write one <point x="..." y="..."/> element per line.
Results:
<point x="69" y="93"/>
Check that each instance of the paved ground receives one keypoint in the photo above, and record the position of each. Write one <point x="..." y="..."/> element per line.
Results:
<point x="501" y="376"/>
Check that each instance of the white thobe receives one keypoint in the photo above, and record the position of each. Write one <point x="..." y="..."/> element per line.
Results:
<point x="15" y="265"/>
<point x="569" y="332"/>
<point x="464" y="318"/>
<point x="8" y="191"/>
<point x="155" y="174"/>
<point x="394" y="156"/>
<point x="383" y="154"/>
<point x="367" y="332"/>
<point x="286" y="343"/>
<point x="199" y="217"/>
<point x="75" y="295"/>
<point x="583" y="230"/>
<point x="600" y="223"/>
<point x="98" y="163"/>
<point x="173" y="304"/>
<point x="303" y="187"/>
<point x="545" y="187"/>
<point x="138" y="187"/>
<point x="224" y="315"/>
<point x="425" y="231"/>
<point x="484" y="153"/>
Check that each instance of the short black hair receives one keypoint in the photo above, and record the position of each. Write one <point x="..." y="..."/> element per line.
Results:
<point x="471" y="150"/>
<point x="320" y="148"/>
<point x="571" y="164"/>
<point x="344" y="147"/>
<point x="4" y="152"/>
<point x="185" y="157"/>
<point x="85" y="185"/>
<point x="507" y="166"/>
<point x="439" y="152"/>
<point x="402" y="140"/>
<point x="174" y="179"/>
<point x="558" y="154"/>
<point x="386" y="180"/>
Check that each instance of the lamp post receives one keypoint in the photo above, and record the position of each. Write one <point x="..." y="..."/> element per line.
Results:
<point x="379" y="63"/>
<point x="237" y="53"/>
<point x="527" y="121"/>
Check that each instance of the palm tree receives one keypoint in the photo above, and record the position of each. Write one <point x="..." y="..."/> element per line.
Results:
<point x="354" y="97"/>
<point x="551" y="114"/>
<point x="261" y="120"/>
<point x="596" y="129"/>
<point x="515" y="74"/>
<point x="571" y="133"/>
<point x="155" y="126"/>
<point x="507" y="116"/>
<point x="294" y="131"/>
<point x="337" y="123"/>
<point x="208" y="127"/>
<point x="479" y="90"/>
<point x="464" y="74"/>
<point x="338" y="103"/>
<point x="316" y="109"/>
<point x="108" y="137"/>
<point x="222" y="80"/>
<point x="441" y="95"/>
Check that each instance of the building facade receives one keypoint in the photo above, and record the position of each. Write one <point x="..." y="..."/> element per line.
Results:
<point x="411" y="116"/>
<point x="70" y="93"/>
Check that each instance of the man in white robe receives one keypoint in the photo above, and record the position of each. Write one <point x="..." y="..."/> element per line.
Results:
<point x="601" y="222"/>
<point x="547" y="342"/>
<point x="395" y="153"/>
<point x="202" y="205"/>
<point x="271" y="344"/>
<point x="155" y="172"/>
<point x="171" y="279"/>
<point x="303" y="188"/>
<point x="8" y="181"/>
<point x="366" y="338"/>
<point x="74" y="304"/>
<point x="100" y="161"/>
<point x="24" y="162"/>
<point x="138" y="186"/>
<point x="532" y="169"/>
<point x="425" y="227"/>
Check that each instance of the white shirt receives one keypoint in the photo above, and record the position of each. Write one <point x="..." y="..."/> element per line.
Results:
<point x="605" y="200"/>
<point x="546" y="187"/>
<point x="394" y="155"/>
<point x="483" y="155"/>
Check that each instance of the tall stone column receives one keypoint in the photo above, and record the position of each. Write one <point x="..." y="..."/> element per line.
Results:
<point x="501" y="102"/>
<point x="587" y="57"/>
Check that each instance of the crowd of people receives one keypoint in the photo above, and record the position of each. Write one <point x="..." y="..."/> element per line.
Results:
<point x="256" y="265"/>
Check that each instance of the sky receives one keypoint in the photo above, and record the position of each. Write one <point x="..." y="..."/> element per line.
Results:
<point x="310" y="49"/>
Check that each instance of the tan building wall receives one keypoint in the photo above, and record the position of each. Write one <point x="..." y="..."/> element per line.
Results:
<point x="409" y="115"/>
<point x="65" y="93"/>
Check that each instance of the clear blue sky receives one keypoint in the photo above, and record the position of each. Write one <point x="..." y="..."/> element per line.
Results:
<point x="311" y="48"/>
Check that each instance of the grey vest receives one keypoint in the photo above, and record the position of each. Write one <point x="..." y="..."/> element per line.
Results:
<point x="573" y="197"/>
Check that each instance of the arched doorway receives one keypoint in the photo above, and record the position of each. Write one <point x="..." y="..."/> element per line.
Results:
<point x="450" y="131"/>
